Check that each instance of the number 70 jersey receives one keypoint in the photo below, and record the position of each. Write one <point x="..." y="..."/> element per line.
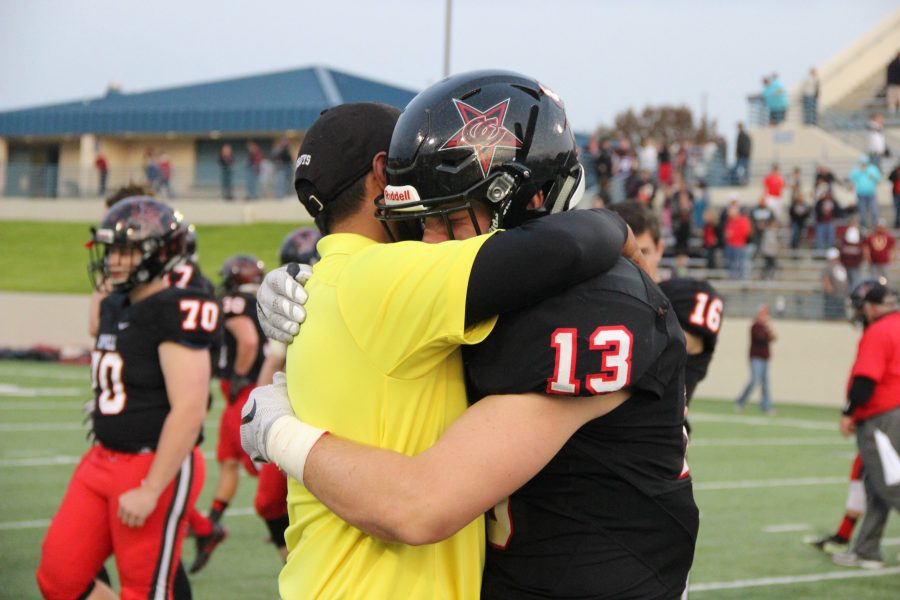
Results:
<point x="129" y="387"/>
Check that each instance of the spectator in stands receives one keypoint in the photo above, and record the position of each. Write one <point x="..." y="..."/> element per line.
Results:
<point x="737" y="234"/>
<point x="768" y="249"/>
<point x="879" y="249"/>
<point x="151" y="169"/>
<point x="774" y="186"/>
<point x="894" y="177"/>
<point x="682" y="226"/>
<point x="826" y="211"/>
<point x="776" y="99"/>
<point x="102" y="172"/>
<point x="864" y="179"/>
<point x="835" y="285"/>
<point x="893" y="85"/>
<point x="851" y="249"/>
<point x="648" y="156"/>
<point x="741" y="156"/>
<point x="799" y="213"/>
<point x="165" y="176"/>
<point x="811" y="98"/>
<point x="254" y="166"/>
<point x="701" y="203"/>
<point x="226" y="165"/>
<point x="284" y="172"/>
<point x="711" y="241"/>
<point x="639" y="186"/>
<point x="604" y="165"/>
<point x="823" y="175"/>
<point x="665" y="164"/>
<point x="761" y="337"/>
<point x="877" y="142"/>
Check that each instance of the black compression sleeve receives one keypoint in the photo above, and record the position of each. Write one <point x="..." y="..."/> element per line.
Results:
<point x="861" y="389"/>
<point x="524" y="265"/>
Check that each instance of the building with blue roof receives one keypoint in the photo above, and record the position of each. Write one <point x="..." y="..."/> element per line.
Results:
<point x="53" y="150"/>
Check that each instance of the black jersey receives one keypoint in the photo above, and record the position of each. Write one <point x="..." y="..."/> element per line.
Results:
<point x="612" y="515"/>
<point x="188" y="275"/>
<point x="129" y="388"/>
<point x="698" y="307"/>
<point x="240" y="304"/>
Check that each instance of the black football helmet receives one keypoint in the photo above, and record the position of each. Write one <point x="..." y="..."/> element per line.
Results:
<point x="139" y="223"/>
<point x="489" y="136"/>
<point x="299" y="246"/>
<point x="868" y="290"/>
<point x="241" y="270"/>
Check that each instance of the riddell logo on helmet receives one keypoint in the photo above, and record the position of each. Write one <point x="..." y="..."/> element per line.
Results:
<point x="400" y="194"/>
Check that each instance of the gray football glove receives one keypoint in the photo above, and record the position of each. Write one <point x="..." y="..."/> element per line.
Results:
<point x="280" y="300"/>
<point x="265" y="405"/>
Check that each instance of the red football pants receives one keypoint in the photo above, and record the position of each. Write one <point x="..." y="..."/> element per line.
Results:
<point x="229" y="445"/>
<point x="86" y="529"/>
<point x="271" y="493"/>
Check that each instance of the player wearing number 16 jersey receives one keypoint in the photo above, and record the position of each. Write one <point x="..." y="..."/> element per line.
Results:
<point x="150" y="371"/>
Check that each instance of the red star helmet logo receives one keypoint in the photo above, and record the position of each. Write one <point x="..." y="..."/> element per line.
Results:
<point x="484" y="132"/>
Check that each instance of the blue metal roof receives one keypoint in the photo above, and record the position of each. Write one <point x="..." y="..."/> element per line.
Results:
<point x="270" y="102"/>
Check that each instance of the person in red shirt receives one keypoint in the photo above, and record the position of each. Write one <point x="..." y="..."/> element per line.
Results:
<point x="880" y="247"/>
<point x="774" y="185"/>
<point x="102" y="172"/>
<point x="737" y="232"/>
<point x="873" y="413"/>
<point x="761" y="336"/>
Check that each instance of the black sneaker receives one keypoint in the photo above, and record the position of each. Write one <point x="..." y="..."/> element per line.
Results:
<point x="205" y="546"/>
<point x="830" y="544"/>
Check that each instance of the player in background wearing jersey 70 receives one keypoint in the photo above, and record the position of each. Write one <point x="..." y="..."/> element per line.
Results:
<point x="150" y="371"/>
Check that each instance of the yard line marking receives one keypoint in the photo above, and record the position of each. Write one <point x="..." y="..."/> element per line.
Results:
<point x="13" y="427"/>
<point x="790" y="579"/>
<point x="768" y="483"/>
<point x="17" y="391"/>
<point x="818" y="441"/>
<point x="38" y="374"/>
<point x="763" y="421"/>
<point x="52" y="461"/>
<point x="786" y="528"/>
<point x="43" y="523"/>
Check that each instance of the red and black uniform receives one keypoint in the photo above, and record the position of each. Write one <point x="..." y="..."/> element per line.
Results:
<point x="237" y="304"/>
<point x="131" y="408"/>
<point x="612" y="515"/>
<point x="699" y="310"/>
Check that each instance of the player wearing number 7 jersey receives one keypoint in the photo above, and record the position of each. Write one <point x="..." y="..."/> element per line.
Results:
<point x="151" y="372"/>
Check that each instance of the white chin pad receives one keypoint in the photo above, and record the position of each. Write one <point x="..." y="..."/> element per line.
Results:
<point x="578" y="194"/>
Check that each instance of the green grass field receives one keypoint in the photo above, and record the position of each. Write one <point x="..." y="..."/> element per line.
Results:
<point x="51" y="257"/>
<point x="762" y="483"/>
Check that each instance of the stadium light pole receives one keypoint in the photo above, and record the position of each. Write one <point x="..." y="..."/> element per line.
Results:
<point x="448" y="17"/>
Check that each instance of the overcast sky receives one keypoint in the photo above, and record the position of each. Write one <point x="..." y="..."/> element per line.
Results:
<point x="599" y="56"/>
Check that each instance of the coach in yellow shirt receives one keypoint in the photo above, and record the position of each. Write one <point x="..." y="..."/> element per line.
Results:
<point x="380" y="363"/>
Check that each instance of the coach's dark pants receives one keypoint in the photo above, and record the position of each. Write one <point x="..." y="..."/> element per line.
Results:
<point x="880" y="497"/>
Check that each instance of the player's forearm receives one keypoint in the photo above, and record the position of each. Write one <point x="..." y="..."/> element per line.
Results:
<point x="179" y="436"/>
<point x="245" y="356"/>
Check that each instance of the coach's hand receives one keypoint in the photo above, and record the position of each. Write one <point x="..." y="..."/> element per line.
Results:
<point x="265" y="405"/>
<point x="280" y="300"/>
<point x="136" y="504"/>
<point x="847" y="426"/>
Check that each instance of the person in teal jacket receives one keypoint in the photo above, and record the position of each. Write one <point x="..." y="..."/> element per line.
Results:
<point x="864" y="178"/>
<point x="776" y="98"/>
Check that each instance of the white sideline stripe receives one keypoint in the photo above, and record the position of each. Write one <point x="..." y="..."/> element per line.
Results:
<point x="44" y="405"/>
<point x="13" y="427"/>
<point x="768" y="483"/>
<point x="764" y="421"/>
<point x="786" y="528"/>
<point x="829" y="441"/>
<point x="50" y="461"/>
<point x="43" y="523"/>
<point x="17" y="391"/>
<point x="790" y="579"/>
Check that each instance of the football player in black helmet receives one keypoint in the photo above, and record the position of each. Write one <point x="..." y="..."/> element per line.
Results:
<point x="299" y="246"/>
<point x="150" y="370"/>
<point x="241" y="356"/>
<point x="617" y="485"/>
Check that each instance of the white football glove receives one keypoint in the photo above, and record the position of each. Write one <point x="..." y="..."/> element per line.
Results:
<point x="280" y="300"/>
<point x="265" y="405"/>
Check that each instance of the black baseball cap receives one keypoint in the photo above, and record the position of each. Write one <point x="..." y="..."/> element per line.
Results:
<point x="878" y="293"/>
<point x="338" y="150"/>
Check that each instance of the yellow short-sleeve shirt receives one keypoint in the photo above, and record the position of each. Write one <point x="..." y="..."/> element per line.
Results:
<point x="378" y="362"/>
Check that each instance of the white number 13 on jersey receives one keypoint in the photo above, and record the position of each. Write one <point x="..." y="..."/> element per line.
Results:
<point x="614" y="345"/>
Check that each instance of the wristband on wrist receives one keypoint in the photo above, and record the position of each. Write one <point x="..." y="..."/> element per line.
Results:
<point x="289" y="442"/>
